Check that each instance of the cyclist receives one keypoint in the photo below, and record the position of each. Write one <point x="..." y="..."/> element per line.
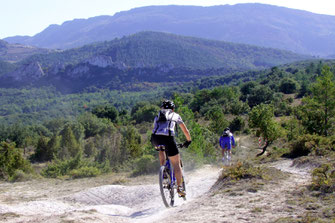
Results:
<point x="163" y="133"/>
<point x="227" y="141"/>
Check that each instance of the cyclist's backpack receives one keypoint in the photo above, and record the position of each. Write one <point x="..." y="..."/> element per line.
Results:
<point x="162" y="115"/>
<point x="225" y="133"/>
<point x="163" y="123"/>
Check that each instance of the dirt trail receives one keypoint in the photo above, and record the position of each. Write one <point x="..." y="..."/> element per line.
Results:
<point x="82" y="201"/>
<point x="266" y="205"/>
<point x="110" y="203"/>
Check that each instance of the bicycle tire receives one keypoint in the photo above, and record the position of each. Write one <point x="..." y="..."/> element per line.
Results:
<point x="167" y="192"/>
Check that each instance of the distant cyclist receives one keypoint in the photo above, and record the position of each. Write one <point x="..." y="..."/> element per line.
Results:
<point x="227" y="141"/>
<point x="163" y="133"/>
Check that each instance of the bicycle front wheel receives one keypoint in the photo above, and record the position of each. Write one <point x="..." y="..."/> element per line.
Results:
<point x="166" y="188"/>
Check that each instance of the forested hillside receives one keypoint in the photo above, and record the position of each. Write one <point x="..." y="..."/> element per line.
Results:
<point x="141" y="61"/>
<point x="257" y="24"/>
<point x="151" y="49"/>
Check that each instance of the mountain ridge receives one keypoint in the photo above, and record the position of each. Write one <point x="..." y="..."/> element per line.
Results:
<point x="257" y="24"/>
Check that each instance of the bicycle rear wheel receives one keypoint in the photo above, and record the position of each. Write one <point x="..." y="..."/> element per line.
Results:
<point x="167" y="190"/>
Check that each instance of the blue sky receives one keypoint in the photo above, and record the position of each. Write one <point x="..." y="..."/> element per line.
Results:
<point x="29" y="17"/>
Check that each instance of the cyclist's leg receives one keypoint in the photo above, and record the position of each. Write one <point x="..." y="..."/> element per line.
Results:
<point x="175" y="161"/>
<point x="162" y="157"/>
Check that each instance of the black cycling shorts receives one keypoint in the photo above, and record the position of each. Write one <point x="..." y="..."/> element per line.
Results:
<point x="168" y="141"/>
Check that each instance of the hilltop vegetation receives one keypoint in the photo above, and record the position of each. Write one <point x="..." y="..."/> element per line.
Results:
<point x="142" y="61"/>
<point x="152" y="49"/>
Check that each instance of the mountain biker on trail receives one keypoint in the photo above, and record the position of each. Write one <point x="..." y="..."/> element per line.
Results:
<point x="163" y="133"/>
<point x="227" y="141"/>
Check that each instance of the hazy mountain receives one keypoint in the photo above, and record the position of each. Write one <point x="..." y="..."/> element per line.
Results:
<point x="150" y="57"/>
<point x="256" y="24"/>
<point x="16" y="52"/>
<point x="6" y="67"/>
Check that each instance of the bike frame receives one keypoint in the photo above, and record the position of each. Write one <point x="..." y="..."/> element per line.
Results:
<point x="171" y="172"/>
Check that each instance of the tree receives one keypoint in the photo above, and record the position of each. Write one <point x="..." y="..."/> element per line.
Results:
<point x="260" y="94"/>
<point x="131" y="142"/>
<point x="106" y="111"/>
<point x="69" y="145"/>
<point x="218" y="122"/>
<point x="319" y="108"/>
<point x="41" y="150"/>
<point x="202" y="139"/>
<point x="146" y="113"/>
<point x="53" y="147"/>
<point x="288" y="86"/>
<point x="92" y="124"/>
<point x="261" y="119"/>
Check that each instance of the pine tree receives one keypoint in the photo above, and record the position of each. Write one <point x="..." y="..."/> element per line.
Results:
<point x="69" y="145"/>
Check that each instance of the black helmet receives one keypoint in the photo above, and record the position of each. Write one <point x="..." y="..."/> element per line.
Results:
<point x="167" y="104"/>
<point x="227" y="129"/>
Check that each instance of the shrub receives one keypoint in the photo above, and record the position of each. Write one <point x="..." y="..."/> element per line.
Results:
<point x="315" y="144"/>
<point x="145" y="164"/>
<point x="241" y="170"/>
<point x="85" y="172"/>
<point x="62" y="167"/>
<point x="12" y="160"/>
<point x="20" y="176"/>
<point x="323" y="179"/>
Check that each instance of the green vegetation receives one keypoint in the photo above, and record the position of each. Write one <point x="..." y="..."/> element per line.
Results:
<point x="96" y="132"/>
<point x="151" y="49"/>
<point x="91" y="133"/>
<point x="12" y="162"/>
<point x="324" y="179"/>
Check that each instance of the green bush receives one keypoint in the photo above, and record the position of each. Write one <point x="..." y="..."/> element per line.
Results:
<point x="85" y="172"/>
<point x="312" y="144"/>
<point x="323" y="179"/>
<point x="59" y="167"/>
<point x="241" y="170"/>
<point x="145" y="164"/>
<point x="11" y="160"/>
<point x="19" y="176"/>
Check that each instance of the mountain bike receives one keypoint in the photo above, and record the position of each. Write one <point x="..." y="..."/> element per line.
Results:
<point x="167" y="181"/>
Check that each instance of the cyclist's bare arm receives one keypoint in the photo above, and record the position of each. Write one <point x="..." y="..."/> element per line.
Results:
<point x="185" y="131"/>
